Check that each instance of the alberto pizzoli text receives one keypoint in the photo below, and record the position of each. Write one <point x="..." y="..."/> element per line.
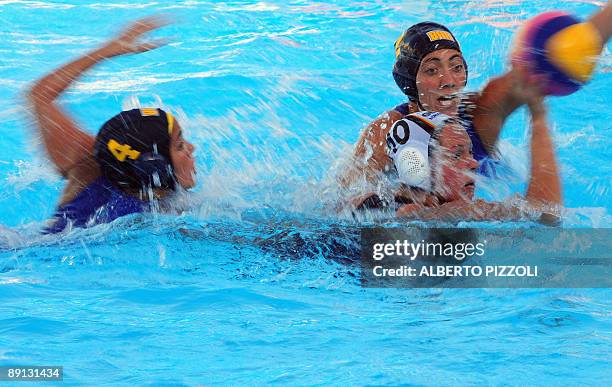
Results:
<point x="456" y="271"/>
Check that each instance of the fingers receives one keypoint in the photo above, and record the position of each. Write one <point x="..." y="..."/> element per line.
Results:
<point x="130" y="42"/>
<point x="149" y="45"/>
<point x="147" y="24"/>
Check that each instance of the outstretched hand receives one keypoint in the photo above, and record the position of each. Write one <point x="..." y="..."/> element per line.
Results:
<point x="129" y="40"/>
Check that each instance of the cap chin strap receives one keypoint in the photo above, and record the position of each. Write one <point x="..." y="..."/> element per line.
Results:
<point x="154" y="169"/>
<point x="418" y="103"/>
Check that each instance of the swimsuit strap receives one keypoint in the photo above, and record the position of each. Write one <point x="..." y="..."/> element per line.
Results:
<point x="99" y="202"/>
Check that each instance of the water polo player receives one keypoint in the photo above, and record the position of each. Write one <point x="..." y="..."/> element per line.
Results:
<point x="432" y="155"/>
<point x="138" y="156"/>
<point x="431" y="70"/>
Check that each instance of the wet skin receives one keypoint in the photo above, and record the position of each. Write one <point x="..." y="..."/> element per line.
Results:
<point x="441" y="76"/>
<point x="183" y="162"/>
<point x="456" y="164"/>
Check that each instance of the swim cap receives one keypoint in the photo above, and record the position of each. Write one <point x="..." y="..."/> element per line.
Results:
<point x="408" y="145"/>
<point x="417" y="42"/>
<point x="133" y="149"/>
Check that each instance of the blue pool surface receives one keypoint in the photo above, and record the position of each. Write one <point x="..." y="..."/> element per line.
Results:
<point x="257" y="282"/>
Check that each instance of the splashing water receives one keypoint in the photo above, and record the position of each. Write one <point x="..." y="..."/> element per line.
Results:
<point x="256" y="279"/>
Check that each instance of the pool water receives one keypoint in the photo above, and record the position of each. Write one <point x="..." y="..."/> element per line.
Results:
<point x="256" y="281"/>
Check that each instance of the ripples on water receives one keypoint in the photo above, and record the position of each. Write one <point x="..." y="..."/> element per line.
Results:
<point x="257" y="281"/>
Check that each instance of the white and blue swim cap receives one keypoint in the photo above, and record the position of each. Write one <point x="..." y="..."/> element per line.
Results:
<point x="408" y="145"/>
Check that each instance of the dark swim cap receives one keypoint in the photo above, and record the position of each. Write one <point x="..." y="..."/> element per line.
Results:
<point x="417" y="42"/>
<point x="133" y="149"/>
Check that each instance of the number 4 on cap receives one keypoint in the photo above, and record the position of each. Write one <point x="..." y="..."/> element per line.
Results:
<point x="121" y="151"/>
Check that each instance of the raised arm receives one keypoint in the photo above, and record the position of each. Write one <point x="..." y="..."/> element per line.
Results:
<point x="65" y="141"/>
<point x="493" y="106"/>
<point x="602" y="20"/>
<point x="502" y="96"/>
<point x="544" y="184"/>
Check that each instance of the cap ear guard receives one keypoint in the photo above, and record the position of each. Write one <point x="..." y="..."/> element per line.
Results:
<point x="408" y="145"/>
<point x="154" y="169"/>
<point x="413" y="167"/>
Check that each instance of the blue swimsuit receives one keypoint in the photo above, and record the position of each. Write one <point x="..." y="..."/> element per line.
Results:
<point x="487" y="164"/>
<point x="100" y="202"/>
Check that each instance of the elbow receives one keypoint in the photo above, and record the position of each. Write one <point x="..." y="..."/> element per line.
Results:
<point x="35" y="94"/>
<point x="38" y="93"/>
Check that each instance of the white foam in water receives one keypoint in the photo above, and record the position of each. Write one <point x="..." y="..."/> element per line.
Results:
<point x="257" y="256"/>
<point x="252" y="156"/>
<point x="32" y="172"/>
<point x="10" y="239"/>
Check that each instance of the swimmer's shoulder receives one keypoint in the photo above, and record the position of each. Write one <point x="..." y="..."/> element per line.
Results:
<point x="382" y="124"/>
<point x="374" y="136"/>
<point x="81" y="175"/>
